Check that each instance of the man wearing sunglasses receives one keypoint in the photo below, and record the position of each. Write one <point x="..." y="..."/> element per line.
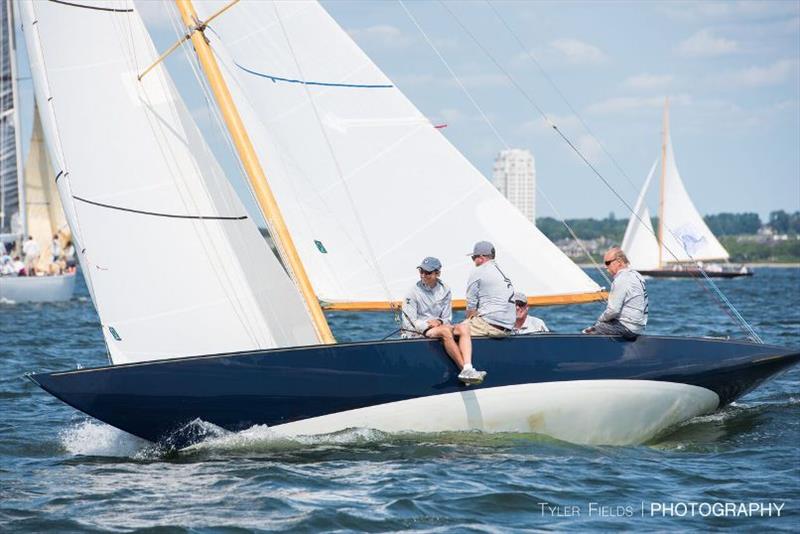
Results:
<point x="490" y="295"/>
<point x="626" y="312"/>
<point x="526" y="324"/>
<point x="428" y="312"/>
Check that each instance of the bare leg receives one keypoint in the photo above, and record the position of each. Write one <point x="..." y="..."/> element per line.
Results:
<point x="445" y="333"/>
<point x="464" y="342"/>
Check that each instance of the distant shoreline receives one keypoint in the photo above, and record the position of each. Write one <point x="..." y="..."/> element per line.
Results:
<point x="774" y="265"/>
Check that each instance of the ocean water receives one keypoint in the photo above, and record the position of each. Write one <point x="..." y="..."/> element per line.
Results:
<point x="63" y="472"/>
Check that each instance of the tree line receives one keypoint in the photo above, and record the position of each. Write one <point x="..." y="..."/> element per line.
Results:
<point x="721" y="224"/>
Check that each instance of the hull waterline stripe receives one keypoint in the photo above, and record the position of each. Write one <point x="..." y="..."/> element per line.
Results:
<point x="304" y="82"/>
<point x="110" y="9"/>
<point x="168" y="215"/>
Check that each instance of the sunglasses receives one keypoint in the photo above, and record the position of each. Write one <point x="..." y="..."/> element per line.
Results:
<point x="427" y="273"/>
<point x="475" y="256"/>
<point x="609" y="262"/>
<point x="521" y="304"/>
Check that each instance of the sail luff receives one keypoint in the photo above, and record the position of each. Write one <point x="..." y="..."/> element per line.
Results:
<point x="254" y="171"/>
<point x="9" y="47"/>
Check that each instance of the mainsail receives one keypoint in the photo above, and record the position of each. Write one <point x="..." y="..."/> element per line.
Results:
<point x="11" y="216"/>
<point x="686" y="237"/>
<point x="367" y="185"/>
<point x="175" y="265"/>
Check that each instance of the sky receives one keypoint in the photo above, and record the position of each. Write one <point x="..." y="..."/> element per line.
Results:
<point x="730" y="69"/>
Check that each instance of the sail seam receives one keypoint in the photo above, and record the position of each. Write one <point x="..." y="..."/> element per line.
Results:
<point x="110" y="9"/>
<point x="168" y="215"/>
<point x="322" y="84"/>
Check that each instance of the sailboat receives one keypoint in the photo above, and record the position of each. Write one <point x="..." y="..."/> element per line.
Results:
<point x="684" y="243"/>
<point x="29" y="202"/>
<point x="355" y="185"/>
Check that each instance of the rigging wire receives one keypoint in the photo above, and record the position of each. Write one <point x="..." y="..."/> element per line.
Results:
<point x="501" y="139"/>
<point x="734" y="313"/>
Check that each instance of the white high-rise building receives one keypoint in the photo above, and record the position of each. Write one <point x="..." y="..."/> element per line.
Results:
<point x="514" y="176"/>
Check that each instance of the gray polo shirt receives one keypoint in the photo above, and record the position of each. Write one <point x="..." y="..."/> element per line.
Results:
<point x="491" y="293"/>
<point x="423" y="303"/>
<point x="627" y="301"/>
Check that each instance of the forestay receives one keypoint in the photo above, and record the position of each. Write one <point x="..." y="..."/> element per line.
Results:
<point x="640" y="243"/>
<point x="686" y="237"/>
<point x="175" y="265"/>
<point x="339" y="142"/>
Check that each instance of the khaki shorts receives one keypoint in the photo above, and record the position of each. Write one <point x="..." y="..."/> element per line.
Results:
<point x="479" y="327"/>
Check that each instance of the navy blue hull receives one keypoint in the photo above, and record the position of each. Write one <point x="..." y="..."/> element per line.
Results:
<point x="235" y="391"/>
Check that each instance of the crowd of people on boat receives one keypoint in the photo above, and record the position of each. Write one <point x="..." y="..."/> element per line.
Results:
<point x="495" y="309"/>
<point x="29" y="259"/>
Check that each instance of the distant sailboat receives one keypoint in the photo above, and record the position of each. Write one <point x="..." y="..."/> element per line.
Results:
<point x="683" y="239"/>
<point x="211" y="326"/>
<point x="29" y="202"/>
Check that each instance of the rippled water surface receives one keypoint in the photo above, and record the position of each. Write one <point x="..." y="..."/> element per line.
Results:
<point x="60" y="471"/>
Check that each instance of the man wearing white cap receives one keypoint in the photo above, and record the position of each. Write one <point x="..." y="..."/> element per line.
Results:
<point x="526" y="324"/>
<point x="428" y="312"/>
<point x="490" y="295"/>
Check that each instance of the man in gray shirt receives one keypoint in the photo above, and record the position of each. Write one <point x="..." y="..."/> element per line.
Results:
<point x="490" y="295"/>
<point x="626" y="312"/>
<point x="428" y="312"/>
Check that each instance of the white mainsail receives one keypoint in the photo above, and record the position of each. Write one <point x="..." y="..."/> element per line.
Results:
<point x="175" y="266"/>
<point x="686" y="237"/>
<point x="367" y="185"/>
<point x="640" y="243"/>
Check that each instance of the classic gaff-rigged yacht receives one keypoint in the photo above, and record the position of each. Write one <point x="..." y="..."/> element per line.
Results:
<point x="29" y="203"/>
<point x="684" y="244"/>
<point x="238" y="337"/>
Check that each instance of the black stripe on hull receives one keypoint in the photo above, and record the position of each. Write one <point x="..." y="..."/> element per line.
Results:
<point x="239" y="390"/>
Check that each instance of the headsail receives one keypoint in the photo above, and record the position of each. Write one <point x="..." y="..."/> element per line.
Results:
<point x="175" y="265"/>
<point x="11" y="216"/>
<point x="43" y="206"/>
<point x="640" y="243"/>
<point x="367" y="185"/>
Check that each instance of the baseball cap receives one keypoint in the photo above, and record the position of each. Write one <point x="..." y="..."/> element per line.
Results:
<point x="482" y="248"/>
<point x="430" y="264"/>
<point x="519" y="296"/>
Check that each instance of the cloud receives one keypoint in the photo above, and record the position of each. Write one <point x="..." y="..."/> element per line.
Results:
<point x="631" y="103"/>
<point x="757" y="76"/>
<point x="382" y="34"/>
<point x="705" y="44"/>
<point x="649" y="81"/>
<point x="576" y="51"/>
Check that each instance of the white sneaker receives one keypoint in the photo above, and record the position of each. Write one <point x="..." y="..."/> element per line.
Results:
<point x="471" y="376"/>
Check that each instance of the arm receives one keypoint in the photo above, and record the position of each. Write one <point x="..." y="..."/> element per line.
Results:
<point x="447" y="313"/>
<point x="473" y="285"/>
<point x="411" y="315"/>
<point x="615" y="299"/>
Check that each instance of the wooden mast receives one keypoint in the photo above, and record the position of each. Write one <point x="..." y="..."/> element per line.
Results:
<point x="253" y="169"/>
<point x="665" y="136"/>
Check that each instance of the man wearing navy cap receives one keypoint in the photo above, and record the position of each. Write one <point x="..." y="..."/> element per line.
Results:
<point x="490" y="295"/>
<point x="428" y="312"/>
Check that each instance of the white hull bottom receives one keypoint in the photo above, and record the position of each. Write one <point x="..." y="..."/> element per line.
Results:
<point x="18" y="289"/>
<point x="587" y="412"/>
